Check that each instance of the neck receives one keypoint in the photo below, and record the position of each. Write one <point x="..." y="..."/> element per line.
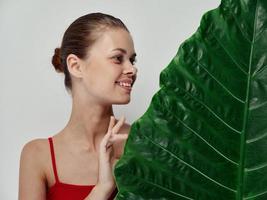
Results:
<point x="88" y="123"/>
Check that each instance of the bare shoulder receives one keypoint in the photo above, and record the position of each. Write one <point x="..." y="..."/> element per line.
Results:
<point x="34" y="152"/>
<point x="32" y="179"/>
<point x="35" y="146"/>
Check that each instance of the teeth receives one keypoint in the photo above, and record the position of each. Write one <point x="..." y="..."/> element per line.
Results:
<point x="124" y="84"/>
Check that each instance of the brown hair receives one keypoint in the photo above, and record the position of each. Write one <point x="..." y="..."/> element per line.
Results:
<point x="79" y="37"/>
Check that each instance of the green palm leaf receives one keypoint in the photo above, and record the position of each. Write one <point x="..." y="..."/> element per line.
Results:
<point x="204" y="135"/>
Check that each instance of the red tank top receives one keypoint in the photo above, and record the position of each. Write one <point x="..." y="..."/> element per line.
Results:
<point x="64" y="191"/>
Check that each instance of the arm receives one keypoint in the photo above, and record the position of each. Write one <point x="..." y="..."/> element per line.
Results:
<point x="31" y="178"/>
<point x="106" y="183"/>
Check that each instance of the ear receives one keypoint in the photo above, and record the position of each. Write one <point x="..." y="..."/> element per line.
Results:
<point x="74" y="65"/>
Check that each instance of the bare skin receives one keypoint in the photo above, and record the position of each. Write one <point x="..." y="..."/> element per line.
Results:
<point x="36" y="172"/>
<point x="91" y="142"/>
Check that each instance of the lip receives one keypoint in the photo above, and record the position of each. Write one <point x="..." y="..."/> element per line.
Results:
<point x="126" y="89"/>
<point x="125" y="80"/>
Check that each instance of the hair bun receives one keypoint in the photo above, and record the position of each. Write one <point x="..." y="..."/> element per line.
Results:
<point x="56" y="60"/>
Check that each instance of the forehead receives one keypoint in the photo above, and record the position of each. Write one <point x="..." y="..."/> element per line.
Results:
<point x="114" y="38"/>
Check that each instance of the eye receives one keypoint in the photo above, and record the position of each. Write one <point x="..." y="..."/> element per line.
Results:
<point x="118" y="59"/>
<point x="133" y="61"/>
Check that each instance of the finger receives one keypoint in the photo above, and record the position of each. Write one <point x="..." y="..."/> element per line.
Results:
<point x="119" y="124"/>
<point x="111" y="123"/>
<point x="118" y="137"/>
<point x="111" y="129"/>
<point x="106" y="139"/>
<point x="109" y="132"/>
<point x="109" y="147"/>
<point x="108" y="152"/>
<point x="109" y="144"/>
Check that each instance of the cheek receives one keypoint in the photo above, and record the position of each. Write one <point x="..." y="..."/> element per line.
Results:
<point x="100" y="82"/>
<point x="102" y="76"/>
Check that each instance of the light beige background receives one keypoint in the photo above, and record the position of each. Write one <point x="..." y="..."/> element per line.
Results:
<point x="33" y="100"/>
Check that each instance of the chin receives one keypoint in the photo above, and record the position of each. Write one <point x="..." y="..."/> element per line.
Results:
<point x="123" y="101"/>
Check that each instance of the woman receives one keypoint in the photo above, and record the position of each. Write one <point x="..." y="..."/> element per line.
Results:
<point x="97" y="57"/>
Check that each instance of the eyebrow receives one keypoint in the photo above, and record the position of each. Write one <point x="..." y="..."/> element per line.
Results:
<point x="124" y="51"/>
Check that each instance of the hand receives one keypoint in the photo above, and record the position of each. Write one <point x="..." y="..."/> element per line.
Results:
<point x="106" y="162"/>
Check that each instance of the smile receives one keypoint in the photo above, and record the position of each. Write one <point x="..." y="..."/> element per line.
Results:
<point x="126" y="86"/>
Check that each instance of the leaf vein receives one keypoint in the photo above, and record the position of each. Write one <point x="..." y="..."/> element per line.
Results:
<point x="213" y="77"/>
<point x="239" y="27"/>
<point x="257" y="138"/>
<point x="204" y="140"/>
<point x="258" y="167"/>
<point x="256" y="195"/>
<point x="166" y="189"/>
<point x="237" y="64"/>
<point x="190" y="166"/>
<point x="258" y="106"/>
<point x="240" y="186"/>
<point x="212" y="112"/>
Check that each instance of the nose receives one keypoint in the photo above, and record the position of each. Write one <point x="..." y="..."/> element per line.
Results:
<point x="130" y="69"/>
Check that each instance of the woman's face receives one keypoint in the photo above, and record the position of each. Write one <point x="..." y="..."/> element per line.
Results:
<point x="109" y="67"/>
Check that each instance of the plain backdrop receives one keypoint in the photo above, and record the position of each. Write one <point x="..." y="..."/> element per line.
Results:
<point x="33" y="100"/>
